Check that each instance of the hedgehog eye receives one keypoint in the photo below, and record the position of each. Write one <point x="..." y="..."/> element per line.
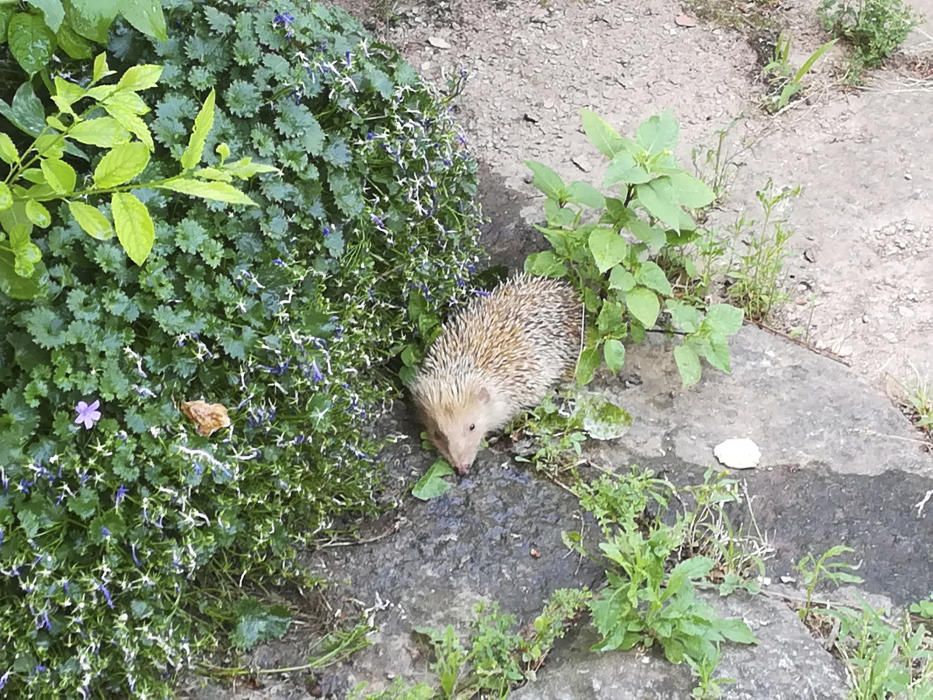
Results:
<point x="472" y="426"/>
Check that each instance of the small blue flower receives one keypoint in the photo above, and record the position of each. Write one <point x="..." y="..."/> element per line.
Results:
<point x="87" y="414"/>
<point x="3" y="679"/>
<point x="278" y="261"/>
<point x="103" y="589"/>
<point x="316" y="373"/>
<point x="41" y="668"/>
<point x="104" y="532"/>
<point x="120" y="494"/>
<point x="133" y="554"/>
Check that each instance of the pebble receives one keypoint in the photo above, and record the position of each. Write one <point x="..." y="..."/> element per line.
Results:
<point x="905" y="311"/>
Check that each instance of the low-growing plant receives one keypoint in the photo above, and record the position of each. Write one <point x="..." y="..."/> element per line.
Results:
<point x="824" y="569"/>
<point x="718" y="165"/>
<point x="784" y="82"/>
<point x="33" y="30"/>
<point x="874" y="28"/>
<point x="128" y="511"/>
<point x="607" y="246"/>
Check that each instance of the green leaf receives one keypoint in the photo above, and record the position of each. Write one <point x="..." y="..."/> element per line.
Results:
<point x="691" y="192"/>
<point x="685" y="317"/>
<point x="146" y="16"/>
<point x="219" y="191"/>
<point x="735" y="630"/>
<point x="31" y="42"/>
<point x="6" y="197"/>
<point x="6" y="12"/>
<point x="202" y="127"/>
<point x="130" y="121"/>
<point x="121" y="164"/>
<point x="134" y="226"/>
<point x="658" y="133"/>
<point x="16" y="286"/>
<point x="600" y="133"/>
<point x="608" y="248"/>
<point x="652" y="276"/>
<point x="52" y="10"/>
<point x="587" y="365"/>
<point x="725" y="319"/>
<point x="105" y="132"/>
<point x="624" y="169"/>
<point x="84" y="503"/>
<point x="258" y="623"/>
<point x="609" y="321"/>
<point x="643" y="304"/>
<point x="545" y="264"/>
<point x="546" y="180"/>
<point x="8" y="152"/>
<point x="614" y="354"/>
<point x="140" y="77"/>
<point x="59" y="175"/>
<point x="92" y="18"/>
<point x="66" y="94"/>
<point x="432" y="484"/>
<point x="73" y="44"/>
<point x="91" y="220"/>
<point x="38" y="214"/>
<point x="620" y="278"/>
<point x="101" y="69"/>
<point x="245" y="168"/>
<point x="715" y="350"/>
<point x="656" y="197"/>
<point x="602" y="419"/>
<point x="585" y="194"/>
<point x="25" y="112"/>
<point x="688" y="364"/>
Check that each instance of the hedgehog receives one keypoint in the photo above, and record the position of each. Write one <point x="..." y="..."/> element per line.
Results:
<point x="499" y="355"/>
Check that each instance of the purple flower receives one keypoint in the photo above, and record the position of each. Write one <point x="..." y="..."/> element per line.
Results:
<point x="104" y="531"/>
<point x="316" y="374"/>
<point x="120" y="494"/>
<point x="40" y="668"/>
<point x="87" y="414"/>
<point x="3" y="679"/>
<point x="103" y="589"/>
<point x="278" y="261"/>
<point x="133" y="552"/>
<point x="283" y="18"/>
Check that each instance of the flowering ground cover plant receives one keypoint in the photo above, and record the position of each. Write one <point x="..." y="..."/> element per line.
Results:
<point x="123" y="521"/>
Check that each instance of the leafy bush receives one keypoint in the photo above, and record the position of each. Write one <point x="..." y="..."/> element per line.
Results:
<point x="112" y="525"/>
<point x="610" y="250"/>
<point x="875" y="28"/>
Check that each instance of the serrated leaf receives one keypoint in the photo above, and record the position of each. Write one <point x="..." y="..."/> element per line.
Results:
<point x="600" y="133"/>
<point x="652" y="276"/>
<point x="60" y="176"/>
<point x="25" y="111"/>
<point x="132" y="123"/>
<point x="91" y="220"/>
<point x="140" y="77"/>
<point x="101" y="69"/>
<point x="725" y="319"/>
<point x="688" y="364"/>
<point x="614" y="354"/>
<point x="691" y="192"/>
<point x="257" y="623"/>
<point x="608" y="248"/>
<point x="146" y="17"/>
<point x="66" y="94"/>
<point x="38" y="214"/>
<point x="643" y="304"/>
<point x="656" y="197"/>
<point x="432" y="484"/>
<point x="202" y="127"/>
<point x="133" y="225"/>
<point x="218" y="191"/>
<point x="30" y="41"/>
<point x="8" y="152"/>
<point x="658" y="133"/>
<point x="105" y="132"/>
<point x="6" y="197"/>
<point x="546" y="180"/>
<point x="620" y="278"/>
<point x="121" y="164"/>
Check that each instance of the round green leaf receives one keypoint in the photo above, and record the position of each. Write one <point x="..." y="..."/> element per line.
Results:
<point x="92" y="18"/>
<point x="620" y="278"/>
<point x="59" y="175"/>
<point x="31" y="42"/>
<point x="121" y="164"/>
<point x="657" y="197"/>
<point x="6" y="197"/>
<point x="73" y="44"/>
<point x="724" y="318"/>
<point x="91" y="220"/>
<point x="608" y="248"/>
<point x="8" y="152"/>
<point x="614" y="353"/>
<point x="652" y="276"/>
<point x="133" y="224"/>
<point x="658" y="133"/>
<point x="643" y="304"/>
<point x="38" y="214"/>
<point x="432" y="484"/>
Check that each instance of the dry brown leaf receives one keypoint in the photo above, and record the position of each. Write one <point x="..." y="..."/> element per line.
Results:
<point x="208" y="417"/>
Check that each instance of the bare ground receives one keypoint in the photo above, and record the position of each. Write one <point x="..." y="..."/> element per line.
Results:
<point x="860" y="267"/>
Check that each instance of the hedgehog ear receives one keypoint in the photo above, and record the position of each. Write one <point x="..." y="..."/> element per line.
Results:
<point x="482" y="395"/>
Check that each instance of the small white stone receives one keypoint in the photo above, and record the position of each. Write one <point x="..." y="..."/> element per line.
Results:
<point x="738" y="453"/>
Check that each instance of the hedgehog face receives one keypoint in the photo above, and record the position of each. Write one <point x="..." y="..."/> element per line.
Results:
<point x="457" y="429"/>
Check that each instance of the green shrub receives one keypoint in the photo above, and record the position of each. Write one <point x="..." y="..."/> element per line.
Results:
<point x="875" y="28"/>
<point x="119" y="539"/>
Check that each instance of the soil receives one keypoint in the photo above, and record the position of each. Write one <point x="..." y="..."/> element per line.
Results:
<point x="860" y="265"/>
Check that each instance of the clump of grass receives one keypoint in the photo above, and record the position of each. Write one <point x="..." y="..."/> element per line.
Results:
<point x="874" y="28"/>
